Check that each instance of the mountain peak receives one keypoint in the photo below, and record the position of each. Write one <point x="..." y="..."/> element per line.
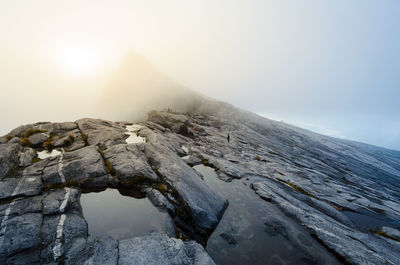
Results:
<point x="138" y="87"/>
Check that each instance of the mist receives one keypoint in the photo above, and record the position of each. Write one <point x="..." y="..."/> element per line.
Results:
<point x="125" y="92"/>
<point x="329" y="67"/>
<point x="139" y="87"/>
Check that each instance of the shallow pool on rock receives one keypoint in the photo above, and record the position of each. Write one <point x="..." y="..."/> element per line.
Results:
<point x="366" y="220"/>
<point x="253" y="231"/>
<point x="109" y="213"/>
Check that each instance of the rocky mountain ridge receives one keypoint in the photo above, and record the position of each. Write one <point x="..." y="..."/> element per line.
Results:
<point x="327" y="185"/>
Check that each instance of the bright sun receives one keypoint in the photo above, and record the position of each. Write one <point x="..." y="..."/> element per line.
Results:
<point x="76" y="61"/>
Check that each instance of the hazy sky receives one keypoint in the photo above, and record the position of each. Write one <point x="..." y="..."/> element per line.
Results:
<point x="329" y="66"/>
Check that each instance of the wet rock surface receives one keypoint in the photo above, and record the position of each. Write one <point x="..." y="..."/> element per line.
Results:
<point x="314" y="180"/>
<point x="44" y="171"/>
<point x="309" y="191"/>
<point x="255" y="232"/>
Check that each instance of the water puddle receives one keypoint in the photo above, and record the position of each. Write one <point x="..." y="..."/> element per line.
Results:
<point x="119" y="215"/>
<point x="253" y="231"/>
<point x="134" y="137"/>
<point x="365" y="222"/>
<point x="45" y="154"/>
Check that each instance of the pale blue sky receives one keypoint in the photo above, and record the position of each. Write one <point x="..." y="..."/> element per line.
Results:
<point x="329" y="66"/>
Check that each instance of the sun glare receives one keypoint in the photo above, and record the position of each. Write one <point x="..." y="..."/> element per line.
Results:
<point x="76" y="61"/>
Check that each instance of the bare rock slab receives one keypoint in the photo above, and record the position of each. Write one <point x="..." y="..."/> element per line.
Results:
<point x="159" y="249"/>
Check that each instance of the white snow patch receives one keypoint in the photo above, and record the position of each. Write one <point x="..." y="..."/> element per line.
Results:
<point x="45" y="154"/>
<point x="185" y="149"/>
<point x="134" y="138"/>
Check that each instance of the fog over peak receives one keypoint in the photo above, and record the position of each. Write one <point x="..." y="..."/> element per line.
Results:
<point x="138" y="87"/>
<point x="127" y="91"/>
<point x="331" y="67"/>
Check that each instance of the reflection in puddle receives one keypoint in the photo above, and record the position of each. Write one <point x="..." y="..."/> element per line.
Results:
<point x="134" y="137"/>
<point x="108" y="213"/>
<point x="253" y="231"/>
<point x="45" y="154"/>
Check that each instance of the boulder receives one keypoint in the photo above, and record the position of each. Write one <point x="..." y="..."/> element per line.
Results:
<point x="53" y="200"/>
<point x="24" y="185"/>
<point x="167" y="120"/>
<point x="75" y="167"/>
<point x="206" y="207"/>
<point x="60" y="128"/>
<point x="130" y="164"/>
<point x="159" y="249"/>
<point x="102" y="133"/>
<point x="21" y="206"/>
<point x="37" y="139"/>
<point x="26" y="157"/>
<point x="9" y="158"/>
